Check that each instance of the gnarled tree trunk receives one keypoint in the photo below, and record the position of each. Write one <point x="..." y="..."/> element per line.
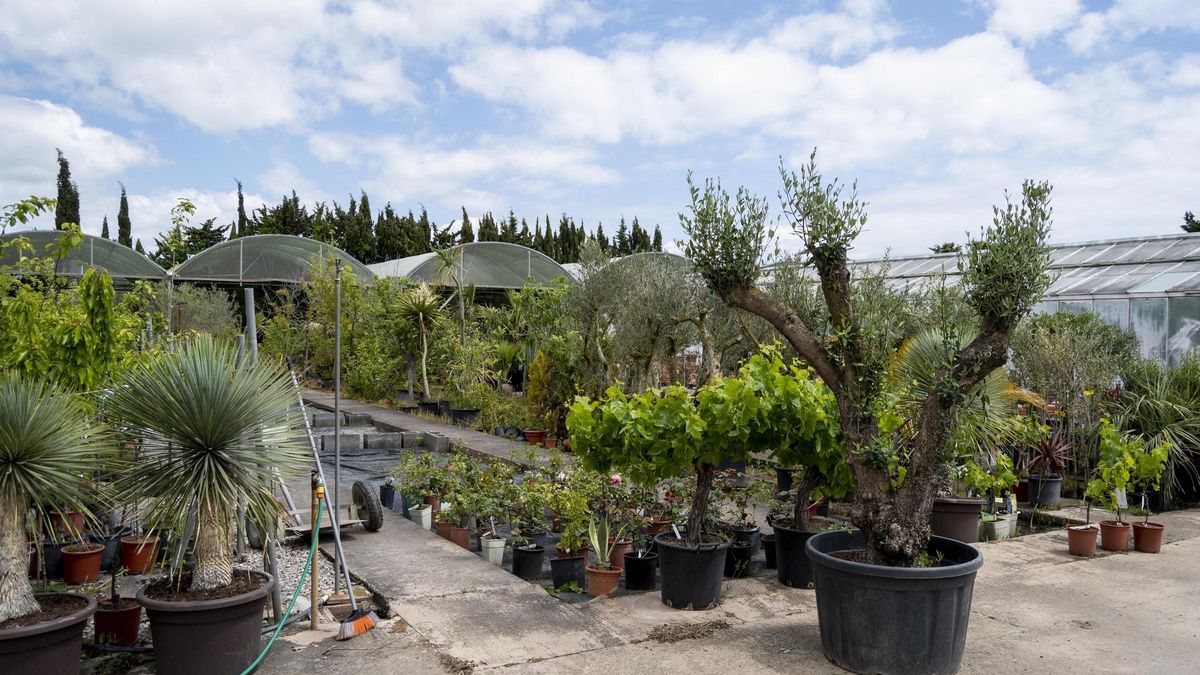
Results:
<point x="214" y="554"/>
<point x="16" y="595"/>
<point x="699" y="511"/>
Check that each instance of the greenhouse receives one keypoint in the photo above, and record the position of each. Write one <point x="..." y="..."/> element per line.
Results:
<point x="263" y="259"/>
<point x="122" y="263"/>
<point x="485" y="264"/>
<point x="1150" y="285"/>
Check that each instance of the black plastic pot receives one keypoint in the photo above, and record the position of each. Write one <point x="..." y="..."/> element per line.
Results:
<point x="50" y="647"/>
<point x="691" y="577"/>
<point x="428" y="407"/>
<point x="443" y="408"/>
<point x="737" y="560"/>
<point x="641" y="572"/>
<point x="1045" y="490"/>
<point x="877" y="619"/>
<point x="783" y="478"/>
<point x="464" y="416"/>
<point x="768" y="547"/>
<point x="748" y="536"/>
<point x="527" y="561"/>
<point x="52" y="558"/>
<point x="792" y="564"/>
<point x="565" y="570"/>
<point x="405" y="396"/>
<point x="387" y="495"/>
<point x="957" y="518"/>
<point x="202" y="637"/>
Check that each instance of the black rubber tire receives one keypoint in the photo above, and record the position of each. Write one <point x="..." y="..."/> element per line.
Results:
<point x="367" y="504"/>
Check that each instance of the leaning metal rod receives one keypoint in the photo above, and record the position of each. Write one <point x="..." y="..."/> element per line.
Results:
<point x="337" y="535"/>
<point x="337" y="407"/>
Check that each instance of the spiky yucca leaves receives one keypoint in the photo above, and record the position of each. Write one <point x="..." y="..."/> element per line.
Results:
<point x="210" y="432"/>
<point x="48" y="447"/>
<point x="423" y="308"/>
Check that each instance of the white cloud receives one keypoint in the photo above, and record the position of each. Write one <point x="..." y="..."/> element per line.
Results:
<point x="1031" y="20"/>
<point x="1128" y="19"/>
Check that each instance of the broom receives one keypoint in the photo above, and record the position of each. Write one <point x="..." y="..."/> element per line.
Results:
<point x="360" y="620"/>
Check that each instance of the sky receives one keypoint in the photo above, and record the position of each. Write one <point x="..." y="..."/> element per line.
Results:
<point x="599" y="109"/>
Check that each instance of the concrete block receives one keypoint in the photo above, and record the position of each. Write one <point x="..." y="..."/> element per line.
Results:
<point x="437" y="442"/>
<point x="359" y="420"/>
<point x="323" y="420"/>
<point x="349" y="442"/>
<point x="383" y="441"/>
<point x="411" y="439"/>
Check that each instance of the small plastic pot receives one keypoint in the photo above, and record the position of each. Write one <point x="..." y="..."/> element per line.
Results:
<point x="641" y="572"/>
<point x="768" y="547"/>
<point x="492" y="548"/>
<point x="137" y="553"/>
<point x="535" y="436"/>
<point x="1081" y="540"/>
<point x="737" y="561"/>
<point x="1147" y="537"/>
<point x="118" y="625"/>
<point x="601" y="581"/>
<point x="565" y="570"/>
<point x="1114" y="535"/>
<point x="81" y="563"/>
<point x="527" y="562"/>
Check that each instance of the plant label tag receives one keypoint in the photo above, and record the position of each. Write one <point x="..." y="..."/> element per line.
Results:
<point x="675" y="529"/>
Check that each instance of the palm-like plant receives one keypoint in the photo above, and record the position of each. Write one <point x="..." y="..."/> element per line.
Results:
<point x="47" y="447"/>
<point x="211" y="432"/>
<point x="424" y="308"/>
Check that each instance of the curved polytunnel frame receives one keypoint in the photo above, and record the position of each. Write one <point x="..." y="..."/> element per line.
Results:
<point x="485" y="264"/>
<point x="121" y="262"/>
<point x="263" y="258"/>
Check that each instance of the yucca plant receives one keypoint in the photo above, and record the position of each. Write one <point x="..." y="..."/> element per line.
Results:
<point x="210" y="432"/>
<point x="48" y="447"/>
<point x="423" y="308"/>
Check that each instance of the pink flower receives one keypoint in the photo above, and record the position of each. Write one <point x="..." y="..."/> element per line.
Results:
<point x="616" y="479"/>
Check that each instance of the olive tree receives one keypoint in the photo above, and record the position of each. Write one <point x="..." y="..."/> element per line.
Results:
<point x="897" y="463"/>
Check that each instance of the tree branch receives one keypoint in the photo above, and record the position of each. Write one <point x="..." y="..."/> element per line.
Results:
<point x="793" y="330"/>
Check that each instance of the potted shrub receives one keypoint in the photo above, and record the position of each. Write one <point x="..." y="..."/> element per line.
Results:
<point x="602" y="577"/>
<point x="1047" y="464"/>
<point x="496" y="492"/>
<point x="1081" y="539"/>
<point x="47" y="446"/>
<point x="118" y="620"/>
<point x="1145" y="476"/>
<point x="878" y="613"/>
<point x="1000" y="522"/>
<point x="1120" y="461"/>
<point x="211" y="433"/>
<point x="641" y="566"/>
<point x="527" y="524"/>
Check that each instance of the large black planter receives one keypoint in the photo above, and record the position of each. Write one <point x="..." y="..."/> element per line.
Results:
<point x="464" y="417"/>
<point x="202" y="637"/>
<point x="691" y="577"/>
<point x="565" y="570"/>
<point x="443" y="407"/>
<point x="737" y="560"/>
<point x="957" y="518"/>
<point x="748" y="535"/>
<point x="877" y="619"/>
<point x="428" y="407"/>
<point x="768" y="547"/>
<point x="50" y="647"/>
<point x="792" y="565"/>
<point x="1045" y="490"/>
<point x="527" y="562"/>
<point x="783" y="478"/>
<point x="641" y="571"/>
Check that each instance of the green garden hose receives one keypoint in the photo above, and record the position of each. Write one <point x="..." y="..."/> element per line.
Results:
<point x="312" y="551"/>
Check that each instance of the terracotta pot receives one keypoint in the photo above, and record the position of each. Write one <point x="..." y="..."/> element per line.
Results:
<point x="81" y="563"/>
<point x="535" y="436"/>
<point x="1022" y="491"/>
<point x="68" y="522"/>
<point x="1081" y="540"/>
<point x="1147" y="537"/>
<point x="1114" y="535"/>
<point x="435" y="503"/>
<point x="443" y="529"/>
<point x="460" y="536"/>
<point x="601" y="581"/>
<point x="658" y="524"/>
<point x="556" y="524"/>
<point x="118" y="626"/>
<point x="619" y="549"/>
<point x="549" y="443"/>
<point x="137" y="553"/>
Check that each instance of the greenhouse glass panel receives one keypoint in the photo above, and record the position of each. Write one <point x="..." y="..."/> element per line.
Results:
<point x="1061" y="256"/>
<point x="1075" y="306"/>
<point x="1115" y="312"/>
<point x="1184" y="334"/>
<point x="1136" y="277"/>
<point x="1185" y="248"/>
<point x="1148" y="321"/>
<point x="1152" y="248"/>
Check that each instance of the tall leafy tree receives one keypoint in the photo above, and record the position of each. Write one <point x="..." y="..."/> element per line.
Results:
<point x="201" y="237"/>
<point x="487" y="228"/>
<point x="241" y="228"/>
<point x="600" y="238"/>
<point x="621" y="241"/>
<point x="1190" y="223"/>
<point x="466" y="234"/>
<point x="322" y="224"/>
<point x="124" y="226"/>
<point x="657" y="239"/>
<point x="389" y="238"/>
<point x="508" y="229"/>
<point x="104" y="228"/>
<point x="138" y="247"/>
<point x="66" y="210"/>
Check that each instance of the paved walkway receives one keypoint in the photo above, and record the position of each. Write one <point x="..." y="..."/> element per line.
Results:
<point x="1036" y="609"/>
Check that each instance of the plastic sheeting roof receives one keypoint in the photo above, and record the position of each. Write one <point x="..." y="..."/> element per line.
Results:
<point x="263" y="258"/>
<point x="486" y="264"/>
<point x="1144" y="265"/>
<point x="121" y="262"/>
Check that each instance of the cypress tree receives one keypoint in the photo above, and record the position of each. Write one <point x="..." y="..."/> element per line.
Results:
<point x="124" y="227"/>
<point x="322" y="224"/>
<point x="104" y="228"/>
<point x="466" y="234"/>
<point x="657" y="239"/>
<point x="67" y="208"/>
<point x="389" y="239"/>
<point x="508" y="229"/>
<point x="138" y="247"/>
<point x="539" y="242"/>
<point x="600" y="238"/>
<point x="240" y="229"/>
<point x="525" y="238"/>
<point x="426" y="229"/>
<point x="621" y="242"/>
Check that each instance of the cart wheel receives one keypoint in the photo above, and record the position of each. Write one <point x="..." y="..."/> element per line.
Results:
<point x="366" y="502"/>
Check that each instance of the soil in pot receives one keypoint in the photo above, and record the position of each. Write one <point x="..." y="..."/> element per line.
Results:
<point x="117" y="623"/>
<point x="768" y="547"/>
<point x="1147" y="537"/>
<point x="641" y="572"/>
<point x="200" y="633"/>
<point x="1081" y="540"/>
<point x="619" y="549"/>
<point x="565" y="570"/>
<point x="1114" y="535"/>
<point x="737" y="560"/>
<point x="957" y="519"/>
<point x="138" y="552"/>
<point x="527" y="561"/>
<point x="690" y="576"/>
<point x="602" y="581"/>
<point x="48" y="640"/>
<point x="876" y="619"/>
<point x="81" y="563"/>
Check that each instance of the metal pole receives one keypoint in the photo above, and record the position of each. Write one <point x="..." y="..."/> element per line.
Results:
<point x="337" y="407"/>
<point x="251" y="327"/>
<point x="315" y="514"/>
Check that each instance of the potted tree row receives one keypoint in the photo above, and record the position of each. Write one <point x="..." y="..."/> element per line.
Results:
<point x="1127" y="464"/>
